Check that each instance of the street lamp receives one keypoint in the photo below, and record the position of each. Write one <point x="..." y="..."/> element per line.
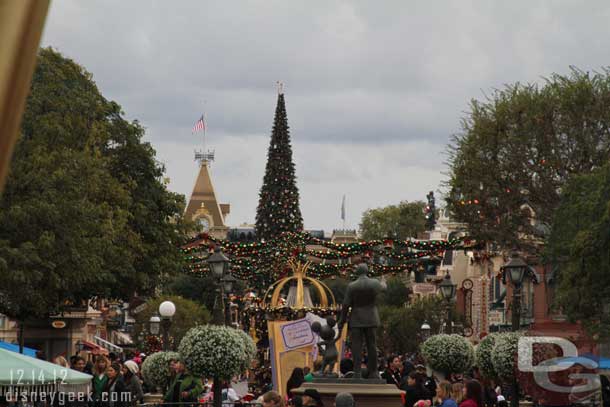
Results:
<point x="515" y="267"/>
<point x="218" y="263"/>
<point x="167" y="309"/>
<point x="425" y="331"/>
<point x="154" y="324"/>
<point x="227" y="283"/>
<point x="447" y="289"/>
<point x="219" y="267"/>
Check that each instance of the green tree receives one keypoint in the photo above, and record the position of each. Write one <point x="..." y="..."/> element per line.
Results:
<point x="188" y="315"/>
<point x="518" y="148"/>
<point x="199" y="289"/>
<point x="338" y="286"/>
<point x="579" y="246"/>
<point x="400" y="330"/>
<point x="85" y="212"/>
<point x="278" y="207"/>
<point x="400" y="221"/>
<point x="396" y="293"/>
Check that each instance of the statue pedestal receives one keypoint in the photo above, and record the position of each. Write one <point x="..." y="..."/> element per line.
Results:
<point x="366" y="392"/>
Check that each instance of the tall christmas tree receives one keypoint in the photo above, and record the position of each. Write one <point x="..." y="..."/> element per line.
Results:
<point x="278" y="207"/>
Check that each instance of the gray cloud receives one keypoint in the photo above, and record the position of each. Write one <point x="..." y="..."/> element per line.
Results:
<point x="374" y="90"/>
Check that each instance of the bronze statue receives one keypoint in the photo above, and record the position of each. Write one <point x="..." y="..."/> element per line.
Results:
<point x="361" y="297"/>
<point x="328" y="345"/>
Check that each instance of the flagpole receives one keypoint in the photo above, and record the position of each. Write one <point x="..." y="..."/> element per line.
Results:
<point x="205" y="124"/>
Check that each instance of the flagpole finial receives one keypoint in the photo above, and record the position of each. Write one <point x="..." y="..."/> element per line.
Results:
<point x="280" y="88"/>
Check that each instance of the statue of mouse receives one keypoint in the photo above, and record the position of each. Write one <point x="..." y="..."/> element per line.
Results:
<point x="328" y="345"/>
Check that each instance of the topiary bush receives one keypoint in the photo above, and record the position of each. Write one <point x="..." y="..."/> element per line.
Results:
<point x="214" y="351"/>
<point x="504" y="355"/>
<point x="482" y="356"/>
<point x="448" y="353"/>
<point x="249" y="347"/>
<point x="155" y="369"/>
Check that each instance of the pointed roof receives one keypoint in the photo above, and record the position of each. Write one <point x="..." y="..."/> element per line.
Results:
<point x="203" y="193"/>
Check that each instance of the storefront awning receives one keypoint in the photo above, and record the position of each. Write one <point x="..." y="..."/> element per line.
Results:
<point x="111" y="347"/>
<point x="92" y="347"/>
<point x="15" y="348"/>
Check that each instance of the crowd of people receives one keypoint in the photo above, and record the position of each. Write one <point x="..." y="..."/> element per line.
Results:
<point x="422" y="390"/>
<point x="115" y="382"/>
<point x="118" y="383"/>
<point x="418" y="389"/>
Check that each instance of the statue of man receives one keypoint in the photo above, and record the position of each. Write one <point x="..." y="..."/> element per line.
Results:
<point x="361" y="297"/>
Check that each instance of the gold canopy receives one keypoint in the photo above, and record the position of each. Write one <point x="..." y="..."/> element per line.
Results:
<point x="299" y="275"/>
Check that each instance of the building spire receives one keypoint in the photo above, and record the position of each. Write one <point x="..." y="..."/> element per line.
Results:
<point x="280" y="87"/>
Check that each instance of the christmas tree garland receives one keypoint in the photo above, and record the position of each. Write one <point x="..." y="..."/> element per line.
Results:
<point x="264" y="262"/>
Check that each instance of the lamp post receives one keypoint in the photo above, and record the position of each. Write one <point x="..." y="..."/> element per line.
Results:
<point x="219" y="267"/>
<point x="447" y="289"/>
<point x="167" y="309"/>
<point x="154" y="324"/>
<point x="515" y="267"/>
<point x="227" y="284"/>
<point x="425" y="331"/>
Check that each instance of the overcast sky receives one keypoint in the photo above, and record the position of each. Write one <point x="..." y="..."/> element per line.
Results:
<point x="373" y="89"/>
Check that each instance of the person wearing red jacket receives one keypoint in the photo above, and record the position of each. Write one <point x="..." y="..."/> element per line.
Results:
<point x="473" y="394"/>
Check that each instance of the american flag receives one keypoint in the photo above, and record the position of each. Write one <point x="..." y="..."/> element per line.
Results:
<point x="200" y="125"/>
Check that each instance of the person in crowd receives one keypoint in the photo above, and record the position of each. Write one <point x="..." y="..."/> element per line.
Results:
<point x="295" y="381"/>
<point x="457" y="392"/>
<point x="185" y="387"/>
<point x="78" y="363"/>
<point x="605" y="384"/>
<point x="311" y="398"/>
<point x="344" y="400"/>
<point x="414" y="389"/>
<point x="61" y="361"/>
<point x="392" y="373"/>
<point x="308" y="374"/>
<point x="407" y="367"/>
<point x="115" y="393"/>
<point x="296" y="401"/>
<point x="346" y="368"/>
<point x="132" y="381"/>
<point x="100" y="379"/>
<point x="502" y="401"/>
<point x="229" y="395"/>
<point x="443" y="394"/>
<point x="473" y="394"/>
<point x="428" y="381"/>
<point x="272" y="399"/>
<point x="490" y="398"/>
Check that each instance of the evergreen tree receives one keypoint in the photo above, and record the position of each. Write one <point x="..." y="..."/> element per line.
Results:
<point x="278" y="207"/>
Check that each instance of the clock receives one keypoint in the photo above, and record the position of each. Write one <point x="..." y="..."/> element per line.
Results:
<point x="467" y="284"/>
<point x="204" y="223"/>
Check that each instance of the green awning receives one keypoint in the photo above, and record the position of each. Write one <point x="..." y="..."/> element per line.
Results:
<point x="25" y="373"/>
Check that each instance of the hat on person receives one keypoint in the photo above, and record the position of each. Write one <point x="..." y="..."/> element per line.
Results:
<point x="313" y="393"/>
<point x="344" y="400"/>
<point x="501" y="398"/>
<point x="132" y="366"/>
<point x="420" y="366"/>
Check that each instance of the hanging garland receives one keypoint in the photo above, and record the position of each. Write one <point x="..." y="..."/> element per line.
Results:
<point x="263" y="262"/>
